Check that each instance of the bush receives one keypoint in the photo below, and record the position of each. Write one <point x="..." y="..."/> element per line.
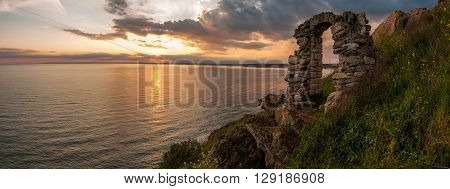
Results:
<point x="182" y="155"/>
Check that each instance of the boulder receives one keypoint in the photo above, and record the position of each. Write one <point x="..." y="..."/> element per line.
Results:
<point x="394" y="22"/>
<point x="399" y="20"/>
<point x="418" y="17"/>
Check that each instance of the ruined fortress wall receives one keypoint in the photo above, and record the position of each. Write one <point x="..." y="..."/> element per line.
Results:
<point x="353" y="44"/>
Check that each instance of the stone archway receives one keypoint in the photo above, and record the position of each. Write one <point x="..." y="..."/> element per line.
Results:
<point x="353" y="44"/>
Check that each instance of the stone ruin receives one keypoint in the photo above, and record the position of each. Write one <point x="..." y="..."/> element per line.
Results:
<point x="353" y="44"/>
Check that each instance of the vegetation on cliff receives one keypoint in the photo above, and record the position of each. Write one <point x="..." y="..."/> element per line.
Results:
<point x="231" y="146"/>
<point x="398" y="120"/>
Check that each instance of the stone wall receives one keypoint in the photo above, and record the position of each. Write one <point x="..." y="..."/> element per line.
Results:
<point x="353" y="44"/>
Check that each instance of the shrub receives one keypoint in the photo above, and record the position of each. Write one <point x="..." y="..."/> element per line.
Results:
<point x="182" y="155"/>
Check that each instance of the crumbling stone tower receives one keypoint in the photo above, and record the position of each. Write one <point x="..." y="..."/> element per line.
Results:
<point x="353" y="44"/>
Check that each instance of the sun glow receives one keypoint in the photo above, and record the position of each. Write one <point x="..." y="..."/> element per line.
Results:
<point x="157" y="44"/>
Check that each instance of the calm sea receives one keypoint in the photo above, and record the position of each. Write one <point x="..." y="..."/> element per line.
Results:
<point x="118" y="115"/>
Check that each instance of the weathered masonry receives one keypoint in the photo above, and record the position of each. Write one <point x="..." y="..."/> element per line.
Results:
<point x="353" y="44"/>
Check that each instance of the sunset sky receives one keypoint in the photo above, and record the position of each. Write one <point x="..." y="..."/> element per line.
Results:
<point x="167" y="30"/>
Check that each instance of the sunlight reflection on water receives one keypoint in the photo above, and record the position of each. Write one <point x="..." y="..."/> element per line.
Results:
<point x="103" y="116"/>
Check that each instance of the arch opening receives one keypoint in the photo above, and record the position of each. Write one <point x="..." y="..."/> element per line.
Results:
<point x="329" y="57"/>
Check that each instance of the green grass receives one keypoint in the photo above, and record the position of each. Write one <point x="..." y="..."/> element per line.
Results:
<point x="327" y="85"/>
<point x="400" y="120"/>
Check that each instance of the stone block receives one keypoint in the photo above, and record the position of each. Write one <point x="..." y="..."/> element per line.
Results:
<point x="338" y="87"/>
<point x="314" y="86"/>
<point x="317" y="46"/>
<point x="303" y="41"/>
<point x="350" y="69"/>
<point x="369" y="60"/>
<point x="338" y="27"/>
<point x="298" y="98"/>
<point x="316" y="63"/>
<point x="315" y="92"/>
<point x="368" y="67"/>
<point x="353" y="79"/>
<point x="318" y="91"/>
<point x="349" y="17"/>
<point x="315" y="69"/>
<point x="341" y="34"/>
<point x="314" y="81"/>
<point x="349" y="85"/>
<point x="365" y="30"/>
<point x="316" y="74"/>
<point x="293" y="60"/>
<point x="338" y="50"/>
<point x="351" y="46"/>
<point x="315" y="40"/>
<point x="329" y="17"/>
<point x="351" y="60"/>
<point x="316" y="50"/>
<point x="359" y="74"/>
<point x="338" y="44"/>
<point x="304" y="61"/>
<point x="359" y="40"/>
<point x="361" y="17"/>
<point x="305" y="52"/>
<point x="338" y="76"/>
<point x="316" y="56"/>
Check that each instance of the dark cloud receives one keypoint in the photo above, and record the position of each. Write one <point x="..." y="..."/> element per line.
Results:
<point x="10" y="52"/>
<point x="117" y="7"/>
<point x="239" y="19"/>
<point x="109" y="36"/>
<point x="145" y="44"/>
<point x="378" y="9"/>
<point x="234" y="23"/>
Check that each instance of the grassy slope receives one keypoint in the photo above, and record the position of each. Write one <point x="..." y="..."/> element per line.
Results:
<point x="400" y="120"/>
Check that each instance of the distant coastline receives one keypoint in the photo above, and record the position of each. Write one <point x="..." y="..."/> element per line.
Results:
<point x="253" y="65"/>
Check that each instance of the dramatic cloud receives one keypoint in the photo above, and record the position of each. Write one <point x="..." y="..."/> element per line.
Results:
<point x="191" y="30"/>
<point x="118" y="7"/>
<point x="244" y="23"/>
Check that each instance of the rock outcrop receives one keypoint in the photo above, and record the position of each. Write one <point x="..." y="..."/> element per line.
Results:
<point x="276" y="143"/>
<point x="399" y="20"/>
<point x="394" y="22"/>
